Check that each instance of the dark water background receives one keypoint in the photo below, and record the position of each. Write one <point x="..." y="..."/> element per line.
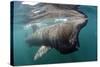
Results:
<point x="23" y="54"/>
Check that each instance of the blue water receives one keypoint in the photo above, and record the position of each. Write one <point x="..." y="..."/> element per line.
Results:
<point x="23" y="54"/>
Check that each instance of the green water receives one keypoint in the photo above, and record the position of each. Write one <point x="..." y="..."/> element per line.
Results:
<point x="23" y="54"/>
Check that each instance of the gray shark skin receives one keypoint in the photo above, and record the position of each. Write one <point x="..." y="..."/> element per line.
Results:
<point x="61" y="36"/>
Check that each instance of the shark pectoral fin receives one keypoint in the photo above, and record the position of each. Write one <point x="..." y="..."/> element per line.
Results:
<point x="42" y="50"/>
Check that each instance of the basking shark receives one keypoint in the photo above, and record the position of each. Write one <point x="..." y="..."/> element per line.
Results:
<point x="62" y="36"/>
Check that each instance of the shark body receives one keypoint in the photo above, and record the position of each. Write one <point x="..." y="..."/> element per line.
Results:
<point x="61" y="36"/>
